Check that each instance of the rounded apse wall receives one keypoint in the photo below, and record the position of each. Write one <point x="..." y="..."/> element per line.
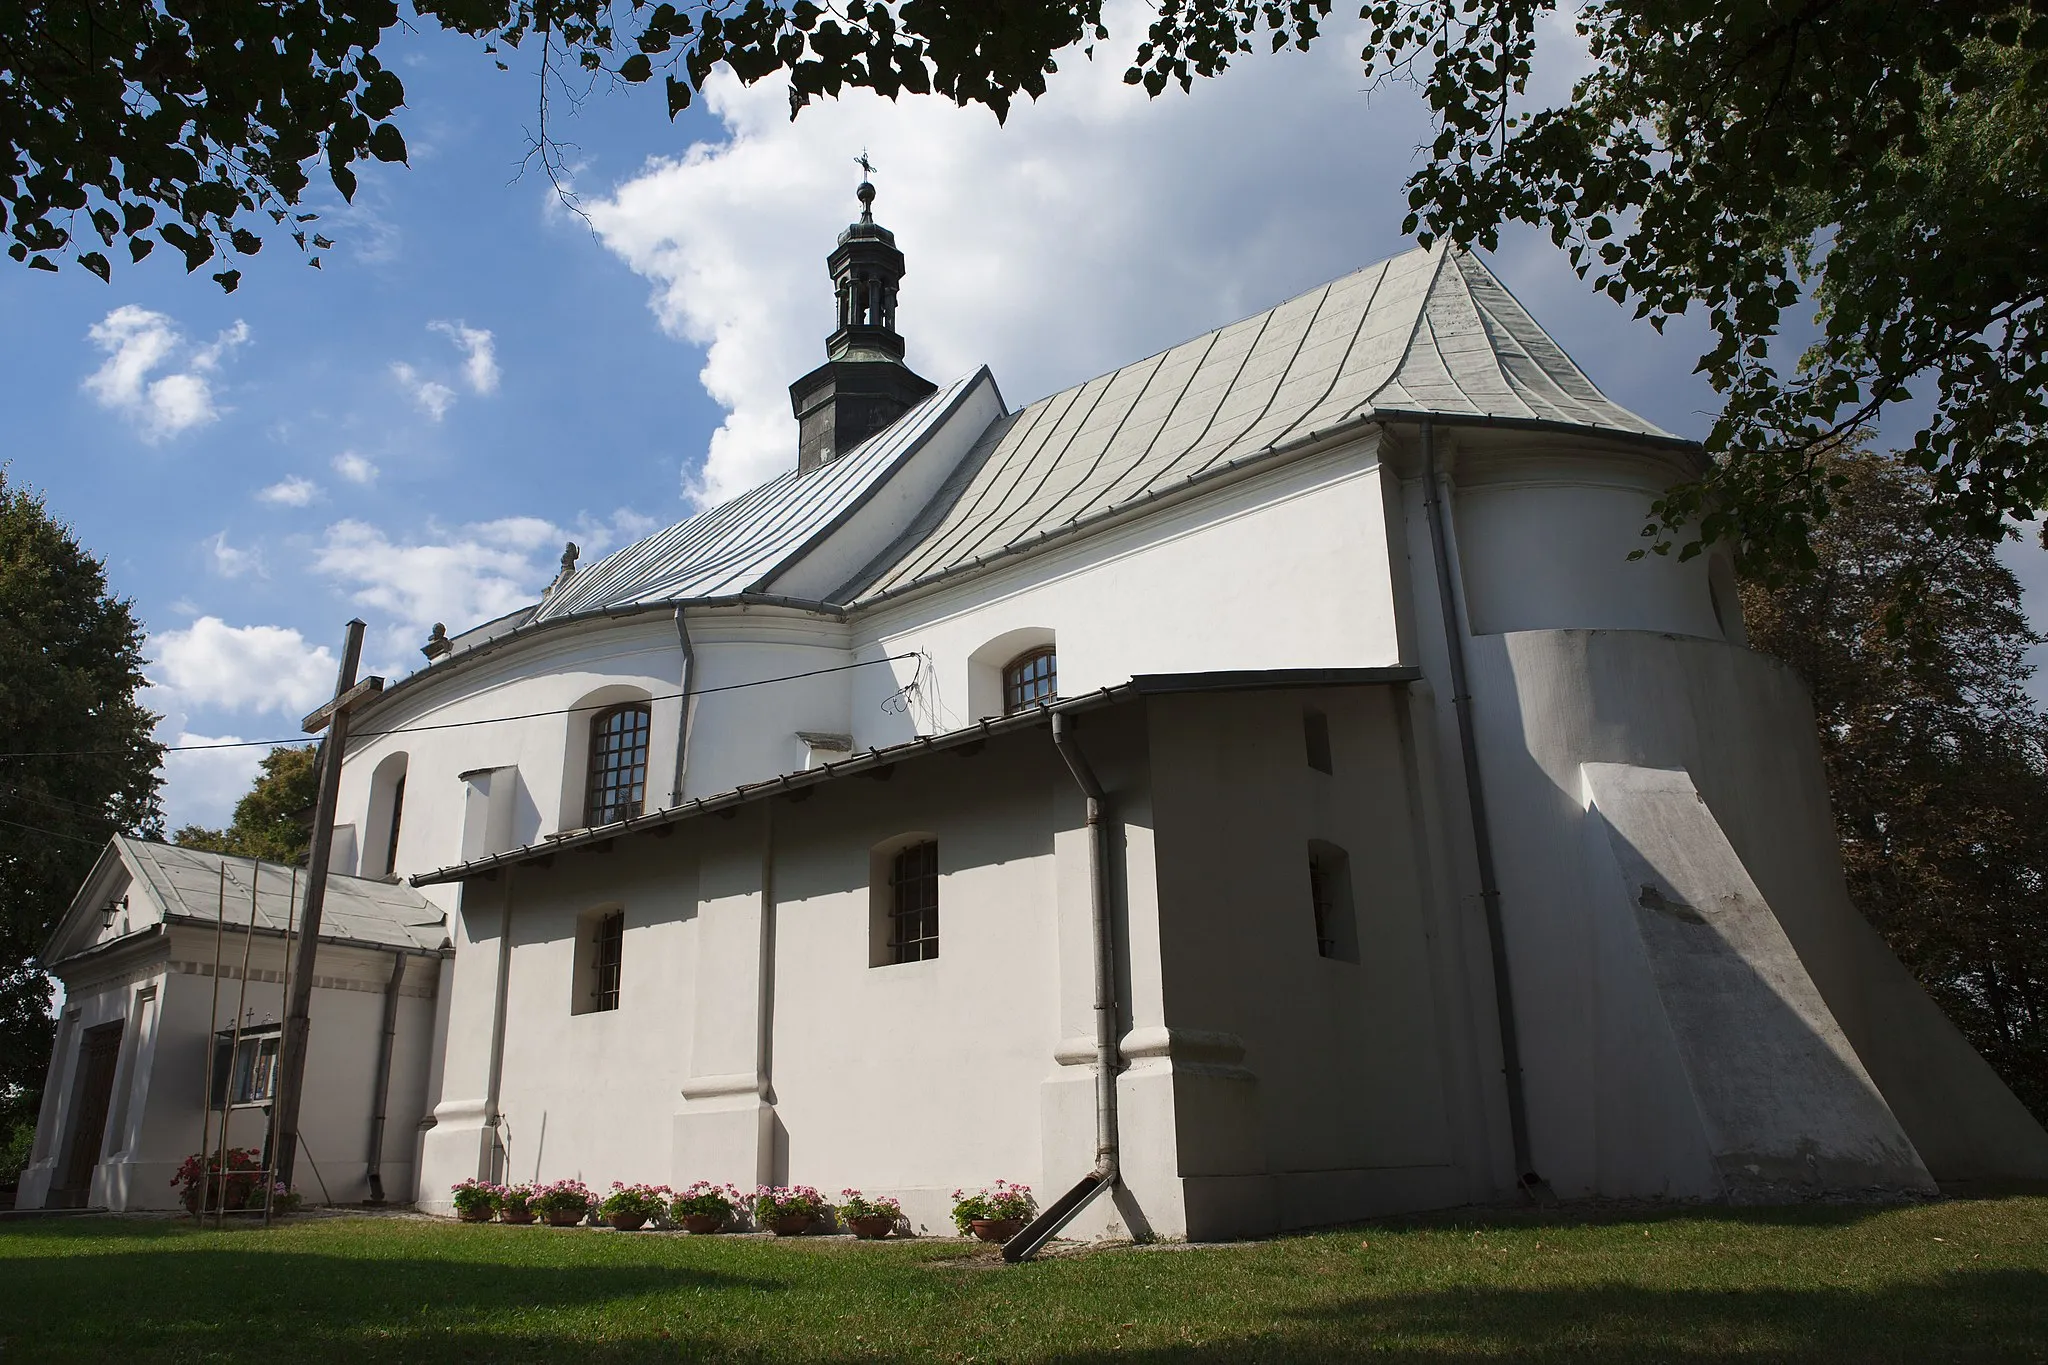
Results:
<point x="1544" y="542"/>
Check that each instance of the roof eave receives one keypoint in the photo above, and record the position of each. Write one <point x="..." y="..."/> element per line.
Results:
<point x="1152" y="684"/>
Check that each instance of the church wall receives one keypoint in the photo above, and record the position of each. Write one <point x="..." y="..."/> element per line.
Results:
<point x="1312" y="1088"/>
<point x="1288" y="569"/>
<point x="749" y="733"/>
<point x="1738" y="725"/>
<point x="570" y="666"/>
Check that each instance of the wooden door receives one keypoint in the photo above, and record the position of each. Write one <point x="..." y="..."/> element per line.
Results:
<point x="98" y="1053"/>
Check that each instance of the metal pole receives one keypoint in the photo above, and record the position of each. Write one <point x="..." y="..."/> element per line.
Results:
<point x="227" y="1104"/>
<point x="284" y="991"/>
<point x="220" y="916"/>
<point x="293" y="1047"/>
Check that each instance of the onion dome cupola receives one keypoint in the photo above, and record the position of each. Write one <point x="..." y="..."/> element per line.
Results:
<point x="863" y="386"/>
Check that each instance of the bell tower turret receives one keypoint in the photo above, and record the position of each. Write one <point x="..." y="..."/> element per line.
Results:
<point x="863" y="386"/>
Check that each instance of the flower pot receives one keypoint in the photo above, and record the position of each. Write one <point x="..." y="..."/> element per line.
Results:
<point x="702" y="1223"/>
<point x="872" y="1228"/>
<point x="565" y="1218"/>
<point x="997" y="1229"/>
<point x="521" y="1216"/>
<point x="627" y="1222"/>
<point x="791" y="1224"/>
<point x="482" y="1215"/>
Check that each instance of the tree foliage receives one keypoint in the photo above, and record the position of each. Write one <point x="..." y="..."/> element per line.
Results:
<point x="77" y="764"/>
<point x="1912" y="641"/>
<point x="271" y="821"/>
<point x="1884" y="162"/>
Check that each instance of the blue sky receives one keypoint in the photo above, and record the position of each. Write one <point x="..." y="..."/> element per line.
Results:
<point x="477" y="373"/>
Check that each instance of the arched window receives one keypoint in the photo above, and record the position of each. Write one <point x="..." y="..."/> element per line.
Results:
<point x="618" y="764"/>
<point x="1030" y="679"/>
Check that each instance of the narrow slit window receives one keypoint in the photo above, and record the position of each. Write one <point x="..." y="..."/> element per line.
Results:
<point x="397" y="815"/>
<point x="1315" y="734"/>
<point x="1031" y="679"/>
<point x="607" y="954"/>
<point x="914" y="903"/>
<point x="1329" y="893"/>
<point x="618" y="764"/>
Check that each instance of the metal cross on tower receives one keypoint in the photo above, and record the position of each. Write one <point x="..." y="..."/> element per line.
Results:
<point x="332" y="717"/>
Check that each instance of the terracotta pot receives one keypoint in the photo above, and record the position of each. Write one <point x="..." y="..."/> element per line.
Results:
<point x="997" y="1229"/>
<point x="482" y="1215"/>
<point x="872" y="1228"/>
<point x="565" y="1218"/>
<point x="791" y="1224"/>
<point x="703" y="1223"/>
<point x="627" y="1222"/>
<point x="521" y="1216"/>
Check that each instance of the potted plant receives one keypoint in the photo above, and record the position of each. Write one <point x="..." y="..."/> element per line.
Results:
<point x="284" y="1199"/>
<point x="475" y="1200"/>
<point x="205" y="1184"/>
<point x="515" y="1203"/>
<point x="563" y="1204"/>
<point x="995" y="1214"/>
<point x="705" y="1207"/>
<point x="787" y="1210"/>
<point x="629" y="1207"/>
<point x="870" y="1219"/>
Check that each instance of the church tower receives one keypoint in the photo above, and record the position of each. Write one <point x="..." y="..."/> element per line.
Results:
<point x="863" y="386"/>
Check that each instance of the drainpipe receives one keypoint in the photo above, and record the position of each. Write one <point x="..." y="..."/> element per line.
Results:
<point x="375" y="1167"/>
<point x="492" y="1118"/>
<point x="1062" y="1210"/>
<point x="1482" y="831"/>
<point x="675" y="795"/>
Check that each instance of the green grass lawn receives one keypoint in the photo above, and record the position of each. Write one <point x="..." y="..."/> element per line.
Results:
<point x="1964" y="1281"/>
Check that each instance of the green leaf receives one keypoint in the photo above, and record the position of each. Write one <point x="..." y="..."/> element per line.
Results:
<point x="636" y="68"/>
<point x="386" y="143"/>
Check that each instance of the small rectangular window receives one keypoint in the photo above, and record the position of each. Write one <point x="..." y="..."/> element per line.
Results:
<point x="1329" y="891"/>
<point x="914" y="903"/>
<point x="1315" y="732"/>
<point x="611" y="939"/>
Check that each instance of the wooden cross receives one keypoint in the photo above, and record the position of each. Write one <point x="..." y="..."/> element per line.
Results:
<point x="332" y="717"/>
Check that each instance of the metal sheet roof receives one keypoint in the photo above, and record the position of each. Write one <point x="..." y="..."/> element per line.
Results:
<point x="731" y="548"/>
<point x="186" y="882"/>
<point x="1426" y="331"/>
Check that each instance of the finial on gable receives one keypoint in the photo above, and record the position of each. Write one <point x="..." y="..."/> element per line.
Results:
<point x="438" y="643"/>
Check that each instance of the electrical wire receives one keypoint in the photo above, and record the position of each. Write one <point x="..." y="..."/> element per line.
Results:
<point x="464" y="724"/>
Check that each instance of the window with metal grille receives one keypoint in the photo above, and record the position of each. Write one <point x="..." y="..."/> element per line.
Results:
<point x="1030" y="680"/>
<point x="618" y="764"/>
<point x="607" y="950"/>
<point x="914" y="903"/>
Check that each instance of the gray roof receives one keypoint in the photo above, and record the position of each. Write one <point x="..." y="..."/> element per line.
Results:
<point x="1429" y="331"/>
<point x="186" y="883"/>
<point x="736" y="546"/>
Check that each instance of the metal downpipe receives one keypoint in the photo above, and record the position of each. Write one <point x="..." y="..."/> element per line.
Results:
<point x="1061" y="1211"/>
<point x="1482" y="831"/>
<point x="687" y="700"/>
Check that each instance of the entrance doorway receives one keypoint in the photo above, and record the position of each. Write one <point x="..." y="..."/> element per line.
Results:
<point x="98" y="1052"/>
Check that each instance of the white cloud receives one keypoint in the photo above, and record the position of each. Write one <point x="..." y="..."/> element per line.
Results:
<point x="432" y="397"/>
<point x="290" y="492"/>
<point x="230" y="562"/>
<point x="242" y="668"/>
<point x="139" y="342"/>
<point x="480" y="364"/>
<point x="201" y="786"/>
<point x="1094" y="228"/>
<point x="355" y="468"/>
<point x="461" y="576"/>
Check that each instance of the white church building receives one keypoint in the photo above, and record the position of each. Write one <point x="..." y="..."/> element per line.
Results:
<point x="1253" y="785"/>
